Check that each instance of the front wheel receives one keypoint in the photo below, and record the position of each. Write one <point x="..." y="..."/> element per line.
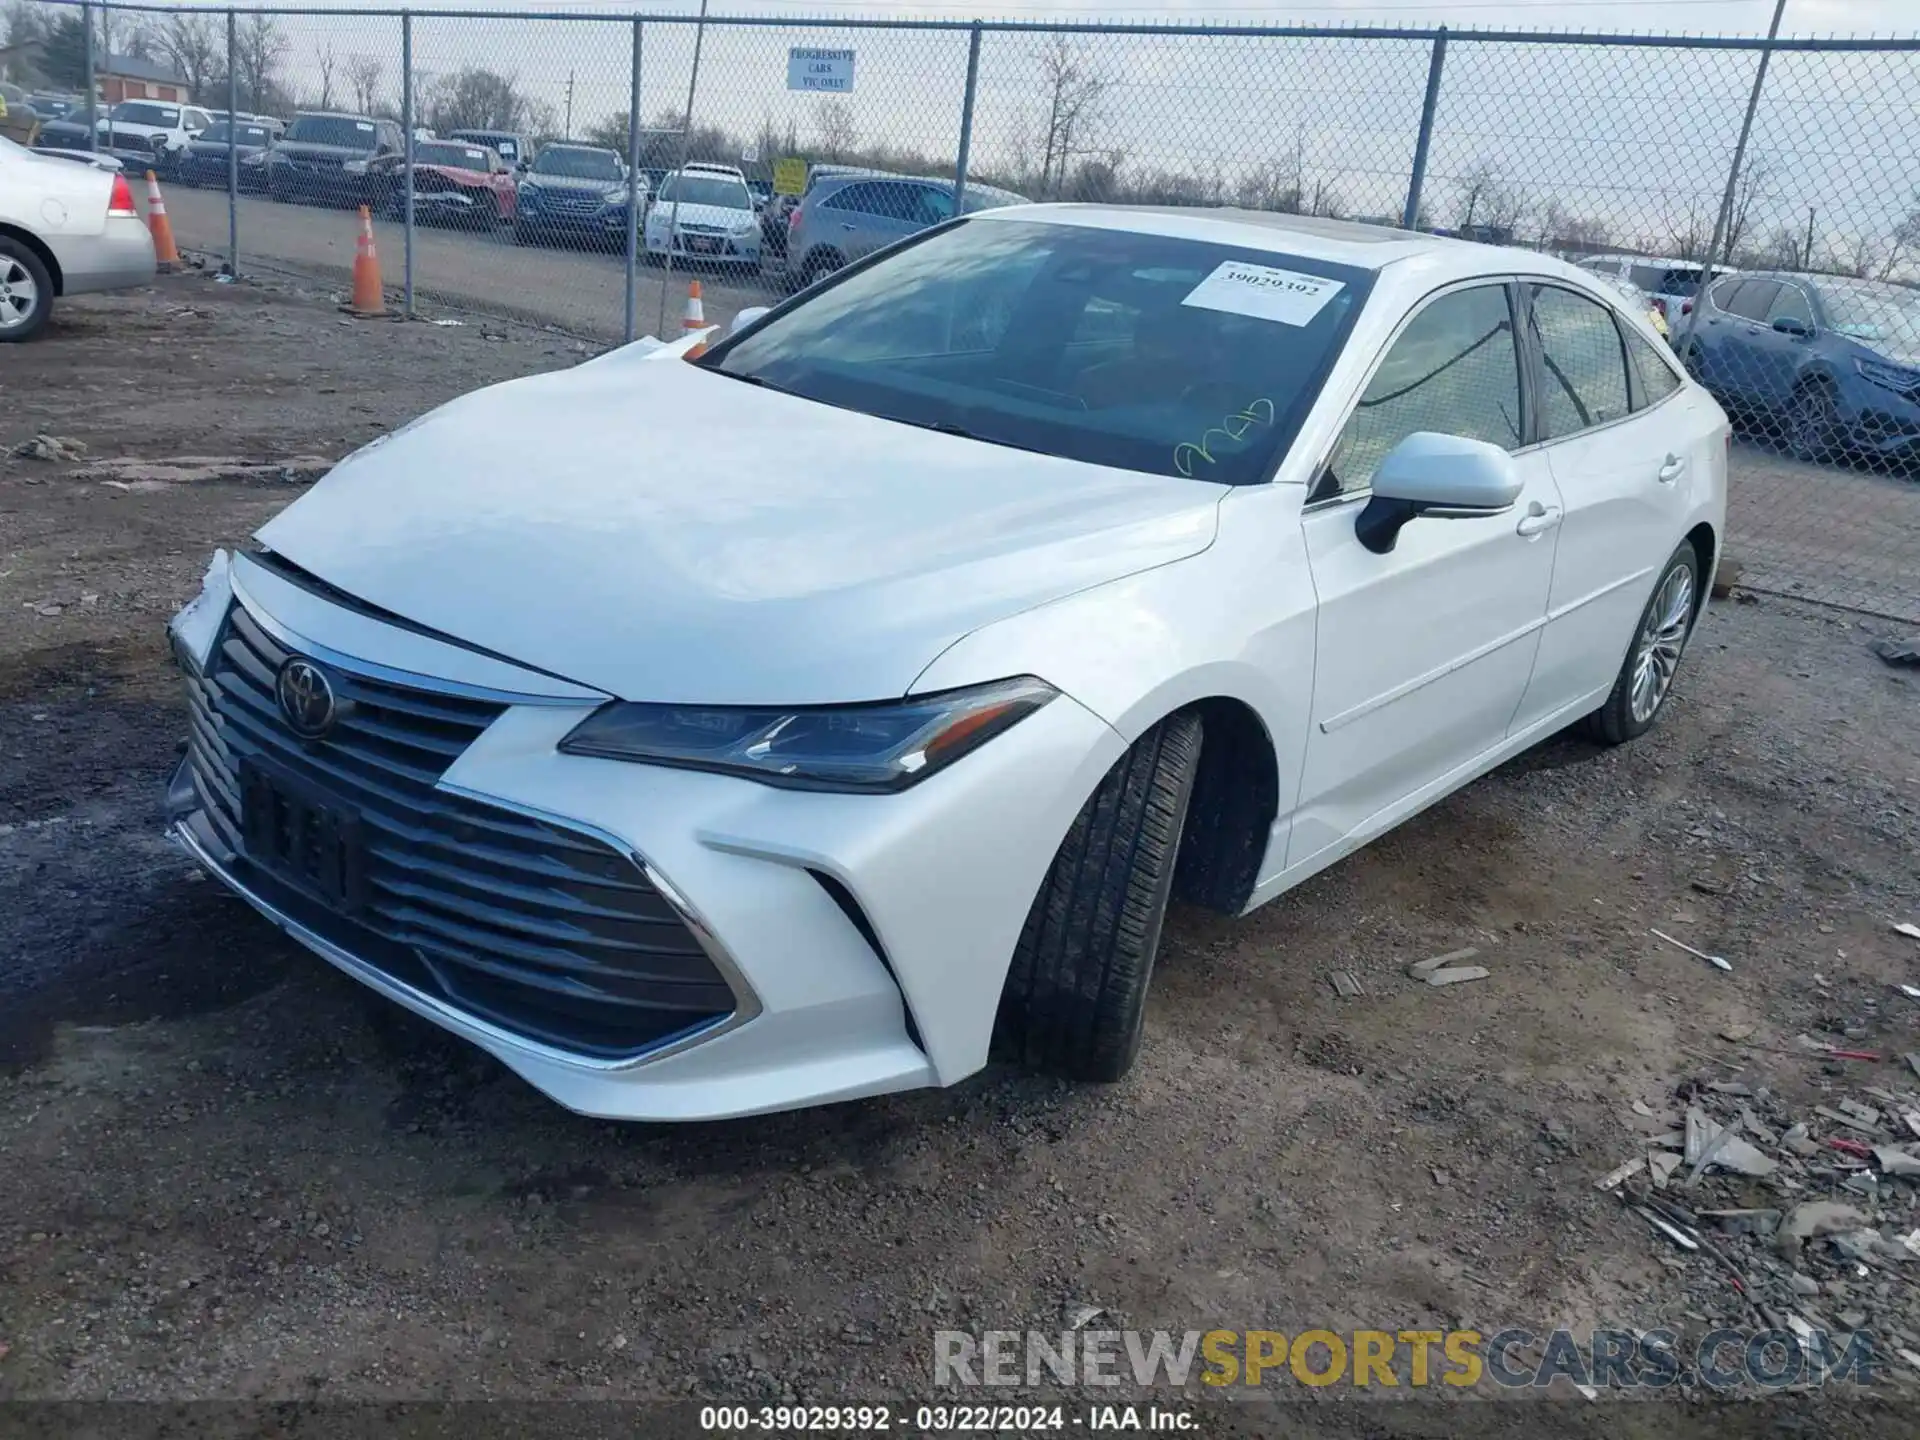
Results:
<point x="1075" y="1000"/>
<point x="1813" y="420"/>
<point x="1646" y="677"/>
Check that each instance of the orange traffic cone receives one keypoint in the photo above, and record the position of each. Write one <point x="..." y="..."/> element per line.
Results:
<point x="694" y="319"/>
<point x="166" y="256"/>
<point x="368" y="296"/>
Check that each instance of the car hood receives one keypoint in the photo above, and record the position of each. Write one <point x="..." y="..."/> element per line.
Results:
<point x="718" y="216"/>
<point x="313" y="150"/>
<point x="660" y="532"/>
<point x="1887" y="349"/>
<point x="569" y="182"/>
<point x="457" y="173"/>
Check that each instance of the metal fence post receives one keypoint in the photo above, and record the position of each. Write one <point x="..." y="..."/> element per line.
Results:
<point x="966" y="122"/>
<point x="406" y="124"/>
<point x="633" y="188"/>
<point x="1410" y="217"/>
<point x="686" y="139"/>
<point x="93" y="122"/>
<point x="233" y="150"/>
<point x="1723" y="222"/>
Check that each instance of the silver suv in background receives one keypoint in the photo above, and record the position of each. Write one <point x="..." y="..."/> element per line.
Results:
<point x="843" y="218"/>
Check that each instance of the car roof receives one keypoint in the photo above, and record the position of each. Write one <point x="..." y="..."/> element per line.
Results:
<point x="559" y="145"/>
<point x="333" y="115"/>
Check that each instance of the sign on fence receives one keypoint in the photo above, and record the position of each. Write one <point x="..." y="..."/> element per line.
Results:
<point x="825" y="70"/>
<point x="790" y="176"/>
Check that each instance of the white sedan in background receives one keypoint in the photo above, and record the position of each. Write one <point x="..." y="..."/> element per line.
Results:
<point x="65" y="229"/>
<point x="704" y="214"/>
<point x="1116" y="555"/>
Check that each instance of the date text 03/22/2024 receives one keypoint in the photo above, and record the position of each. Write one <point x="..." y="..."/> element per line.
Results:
<point x="943" y="1419"/>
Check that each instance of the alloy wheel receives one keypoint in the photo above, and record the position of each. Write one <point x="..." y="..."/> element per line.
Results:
<point x="1662" y="638"/>
<point x="19" y="295"/>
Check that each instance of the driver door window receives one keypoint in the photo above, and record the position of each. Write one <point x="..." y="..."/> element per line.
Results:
<point x="1454" y="369"/>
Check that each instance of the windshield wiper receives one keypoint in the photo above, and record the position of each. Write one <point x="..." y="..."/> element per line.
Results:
<point x="947" y="427"/>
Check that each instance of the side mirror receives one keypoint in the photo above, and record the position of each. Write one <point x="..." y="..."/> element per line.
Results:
<point x="1787" y="325"/>
<point x="1446" y="476"/>
<point x="747" y="317"/>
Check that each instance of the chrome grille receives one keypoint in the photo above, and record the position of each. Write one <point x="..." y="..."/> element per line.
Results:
<point x="540" y="929"/>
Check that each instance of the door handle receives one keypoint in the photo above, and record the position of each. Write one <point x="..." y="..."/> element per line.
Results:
<point x="1538" y="520"/>
<point x="845" y="226"/>
<point x="1672" y="469"/>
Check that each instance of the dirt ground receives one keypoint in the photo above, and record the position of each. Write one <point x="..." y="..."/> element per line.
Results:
<point x="231" y="1172"/>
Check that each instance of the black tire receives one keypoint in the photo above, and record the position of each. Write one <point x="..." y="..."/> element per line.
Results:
<point x="1076" y="994"/>
<point x="18" y="258"/>
<point x="820" y="264"/>
<point x="1615" y="723"/>
<point x="1812" y="423"/>
<point x="521" y="235"/>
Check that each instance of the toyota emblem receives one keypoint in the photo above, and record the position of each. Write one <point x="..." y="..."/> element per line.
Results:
<point x="306" y="698"/>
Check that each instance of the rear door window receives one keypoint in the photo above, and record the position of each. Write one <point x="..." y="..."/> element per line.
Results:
<point x="1657" y="380"/>
<point x="1584" y="383"/>
<point x="1791" y="304"/>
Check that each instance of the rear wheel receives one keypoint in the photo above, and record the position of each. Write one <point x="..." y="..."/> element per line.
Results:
<point x="1646" y="676"/>
<point x="26" y="291"/>
<point x="1076" y="994"/>
<point x="820" y="264"/>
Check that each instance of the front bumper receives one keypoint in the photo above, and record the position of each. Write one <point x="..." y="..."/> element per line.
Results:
<point x="712" y="249"/>
<point x="868" y="936"/>
<point x="330" y="187"/>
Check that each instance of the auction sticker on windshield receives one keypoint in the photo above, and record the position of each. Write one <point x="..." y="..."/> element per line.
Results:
<point x="1263" y="292"/>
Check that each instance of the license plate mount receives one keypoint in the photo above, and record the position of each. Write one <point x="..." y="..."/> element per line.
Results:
<point x="302" y="837"/>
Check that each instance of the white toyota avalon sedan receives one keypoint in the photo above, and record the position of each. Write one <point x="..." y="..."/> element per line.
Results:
<point x="1117" y="555"/>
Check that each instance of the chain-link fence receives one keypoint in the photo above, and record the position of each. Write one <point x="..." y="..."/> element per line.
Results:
<point x="1761" y="196"/>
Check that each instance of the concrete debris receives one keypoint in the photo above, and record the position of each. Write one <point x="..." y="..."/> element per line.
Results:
<point x="1079" y="1316"/>
<point x="1620" y="1172"/>
<point x="1660" y="1166"/>
<point x="1910" y="1357"/>
<point x="143" y="476"/>
<point x="1892" y="1160"/>
<point x="1421" y="969"/>
<point x="1813" y="1218"/>
<point x="1457" y="974"/>
<point x="1760" y="1221"/>
<point x="1737" y="1033"/>
<point x="1898" y="652"/>
<point x="1803" y="1284"/>
<point x="1865" y="1114"/>
<point x="1852" y="1122"/>
<point x="58" y="449"/>
<point x="1911" y="931"/>
<point x="1345" y="984"/>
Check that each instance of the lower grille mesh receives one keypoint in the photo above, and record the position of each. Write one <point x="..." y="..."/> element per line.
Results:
<point x="540" y="929"/>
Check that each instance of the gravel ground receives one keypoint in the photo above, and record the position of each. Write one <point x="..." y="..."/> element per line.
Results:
<point x="231" y="1172"/>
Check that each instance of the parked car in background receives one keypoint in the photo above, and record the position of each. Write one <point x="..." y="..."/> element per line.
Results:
<point x="514" y="148"/>
<point x="275" y="128"/>
<point x="576" y="193"/>
<point x="454" y="183"/>
<point x="844" y="217"/>
<point x="70" y="134"/>
<point x="205" y="162"/>
<point x="704" y="214"/>
<point x="1826" y="366"/>
<point x="56" y="107"/>
<point x="1634" y="295"/>
<point x="152" y="133"/>
<point x="1672" y="284"/>
<point x="327" y="158"/>
<point x="1112" y="555"/>
<point x="65" y="229"/>
<point x="19" y="119"/>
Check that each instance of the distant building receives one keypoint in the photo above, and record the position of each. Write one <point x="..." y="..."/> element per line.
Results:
<point x="123" y="77"/>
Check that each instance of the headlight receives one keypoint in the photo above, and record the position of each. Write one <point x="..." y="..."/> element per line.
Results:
<point x="354" y="167"/>
<point x="614" y="196"/>
<point x="858" y="748"/>
<point x="1894" y="377"/>
<point x="746" y="227"/>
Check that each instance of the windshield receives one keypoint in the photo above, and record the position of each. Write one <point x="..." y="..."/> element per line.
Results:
<point x="578" y="164"/>
<point x="726" y="194"/>
<point x="458" y="157"/>
<point x="249" y="134"/>
<point x="1873" y="310"/>
<point x="338" y="130"/>
<point x="1173" y="357"/>
<point x="136" y="112"/>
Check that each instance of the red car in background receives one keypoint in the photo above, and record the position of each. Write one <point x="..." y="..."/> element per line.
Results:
<point x="454" y="183"/>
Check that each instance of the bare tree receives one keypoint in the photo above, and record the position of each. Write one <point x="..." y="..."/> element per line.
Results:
<point x="259" y="47"/>
<point x="1689" y="230"/>
<point x="193" y="45"/>
<point x="363" y="74"/>
<point x="1486" y="201"/>
<point x="325" y="62"/>
<point x="1075" y="93"/>
<point x="833" y="119"/>
<point x="1858" y="255"/>
<point x="1753" y="178"/>
<point x="1904" y="242"/>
